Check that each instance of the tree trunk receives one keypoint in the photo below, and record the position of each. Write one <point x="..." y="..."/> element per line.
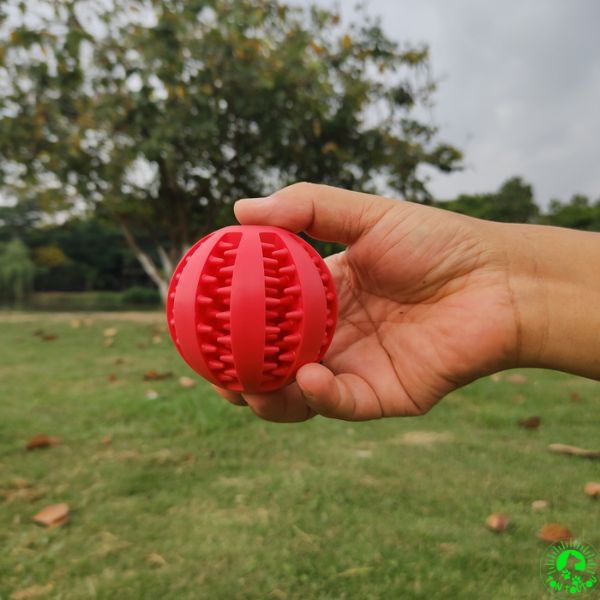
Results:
<point x="160" y="279"/>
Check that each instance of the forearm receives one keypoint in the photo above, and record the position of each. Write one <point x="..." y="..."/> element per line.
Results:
<point x="554" y="276"/>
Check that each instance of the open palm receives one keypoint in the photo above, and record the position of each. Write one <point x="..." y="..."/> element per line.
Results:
<point x="424" y="305"/>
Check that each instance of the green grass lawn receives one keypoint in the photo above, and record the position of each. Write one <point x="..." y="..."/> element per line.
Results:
<point x="195" y="498"/>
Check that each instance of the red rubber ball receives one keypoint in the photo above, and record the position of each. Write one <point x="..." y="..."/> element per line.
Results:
<point x="249" y="305"/>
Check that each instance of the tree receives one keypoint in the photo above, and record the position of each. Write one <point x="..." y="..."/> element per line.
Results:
<point x="158" y="114"/>
<point x="578" y="213"/>
<point x="16" y="271"/>
<point x="512" y="203"/>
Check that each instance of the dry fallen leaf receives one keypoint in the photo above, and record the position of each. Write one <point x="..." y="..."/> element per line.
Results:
<point x="153" y="375"/>
<point x="575" y="397"/>
<point x="49" y="337"/>
<point x="573" y="450"/>
<point x="20" y="490"/>
<point x="156" y="560"/>
<point x="539" y="504"/>
<point x="42" y="441"/>
<point x="354" y="571"/>
<point x="156" y="339"/>
<point x="33" y="591"/>
<point x="592" y="489"/>
<point x="497" y="522"/>
<point x="516" y="378"/>
<point x="112" y="377"/>
<point x="107" y="439"/>
<point x="110" y="332"/>
<point x="553" y="532"/>
<point x="530" y="423"/>
<point x="53" y="515"/>
<point x="363" y="453"/>
<point x="108" y="544"/>
<point x="187" y="382"/>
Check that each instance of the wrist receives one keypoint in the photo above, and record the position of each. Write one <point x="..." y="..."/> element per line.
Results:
<point x="554" y="280"/>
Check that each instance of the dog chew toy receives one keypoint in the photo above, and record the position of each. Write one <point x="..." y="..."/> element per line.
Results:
<point x="249" y="305"/>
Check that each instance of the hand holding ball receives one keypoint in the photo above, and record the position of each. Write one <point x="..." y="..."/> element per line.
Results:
<point x="249" y="305"/>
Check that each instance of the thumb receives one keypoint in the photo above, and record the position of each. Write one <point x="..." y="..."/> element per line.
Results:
<point x="323" y="212"/>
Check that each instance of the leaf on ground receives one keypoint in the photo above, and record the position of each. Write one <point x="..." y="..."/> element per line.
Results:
<point x="592" y="489"/>
<point x="355" y="571"/>
<point x="497" y="522"/>
<point x="187" y="382"/>
<point x="112" y="377"/>
<point x="53" y="515"/>
<point x="156" y="560"/>
<point x="539" y="504"/>
<point x="424" y="438"/>
<point x="42" y="441"/>
<point x="33" y="591"/>
<point x="49" y="337"/>
<point x="108" y="544"/>
<point x="153" y="375"/>
<point x="530" y="423"/>
<point x="575" y="397"/>
<point x="553" y="532"/>
<point x="110" y="332"/>
<point x="107" y="439"/>
<point x="156" y="339"/>
<point x="363" y="453"/>
<point x="574" y="451"/>
<point x="20" y="490"/>
<point x="516" y="378"/>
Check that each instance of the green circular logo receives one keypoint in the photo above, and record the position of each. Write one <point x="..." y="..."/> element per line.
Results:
<point x="570" y="568"/>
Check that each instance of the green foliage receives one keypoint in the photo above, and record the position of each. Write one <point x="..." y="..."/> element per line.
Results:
<point x="49" y="257"/>
<point x="163" y="113"/>
<point x="94" y="301"/>
<point x="97" y="256"/>
<point x="16" y="272"/>
<point x="512" y="203"/>
<point x="140" y="296"/>
<point x="77" y="301"/>
<point x="578" y="213"/>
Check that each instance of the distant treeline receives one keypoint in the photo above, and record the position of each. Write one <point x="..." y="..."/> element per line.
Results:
<point x="514" y="202"/>
<point x="84" y="254"/>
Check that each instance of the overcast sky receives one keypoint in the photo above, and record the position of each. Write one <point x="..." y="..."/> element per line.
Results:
<point x="519" y="88"/>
